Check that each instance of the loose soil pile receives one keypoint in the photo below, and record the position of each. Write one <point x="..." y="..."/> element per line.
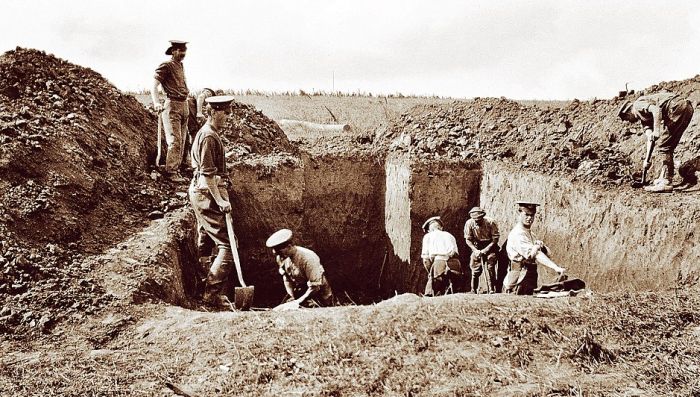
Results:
<point x="73" y="179"/>
<point x="249" y="132"/>
<point x="585" y="139"/>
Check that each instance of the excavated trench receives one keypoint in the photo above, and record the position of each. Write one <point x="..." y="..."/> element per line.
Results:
<point x="363" y="217"/>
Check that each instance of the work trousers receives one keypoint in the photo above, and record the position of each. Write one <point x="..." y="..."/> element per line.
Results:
<point x="441" y="274"/>
<point x="521" y="278"/>
<point x="676" y="118"/>
<point x="218" y="282"/>
<point x="174" y="119"/>
<point x="477" y="264"/>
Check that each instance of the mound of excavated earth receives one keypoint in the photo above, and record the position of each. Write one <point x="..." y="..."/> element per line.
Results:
<point x="249" y="131"/>
<point x="585" y="139"/>
<point x="76" y="177"/>
<point x="73" y="178"/>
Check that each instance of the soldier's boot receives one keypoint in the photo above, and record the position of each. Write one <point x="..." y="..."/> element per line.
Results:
<point x="665" y="181"/>
<point x="217" y="287"/>
<point x="475" y="284"/>
<point x="491" y="273"/>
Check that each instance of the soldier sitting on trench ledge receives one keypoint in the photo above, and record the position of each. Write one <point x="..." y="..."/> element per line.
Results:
<point x="303" y="275"/>
<point x="440" y="258"/>
<point x="525" y="253"/>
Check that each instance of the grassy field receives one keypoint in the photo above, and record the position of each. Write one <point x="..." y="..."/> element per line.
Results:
<point x="364" y="114"/>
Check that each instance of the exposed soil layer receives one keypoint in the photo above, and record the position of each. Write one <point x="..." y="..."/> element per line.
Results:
<point x="249" y="132"/>
<point x="333" y="205"/>
<point x="84" y="274"/>
<point x="613" y="239"/>
<point x="417" y="190"/>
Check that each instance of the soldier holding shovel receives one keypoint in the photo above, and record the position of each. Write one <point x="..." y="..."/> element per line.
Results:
<point x="440" y="257"/>
<point x="302" y="273"/>
<point x="210" y="201"/>
<point x="664" y="116"/>
<point x="481" y="235"/>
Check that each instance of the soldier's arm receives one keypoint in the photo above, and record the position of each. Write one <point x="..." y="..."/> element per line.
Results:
<point x="495" y="236"/>
<point x="208" y="177"/>
<point x="154" y="95"/>
<point x="469" y="238"/>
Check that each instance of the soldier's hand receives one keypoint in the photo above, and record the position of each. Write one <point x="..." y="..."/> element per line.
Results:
<point x="293" y="305"/>
<point x="225" y="207"/>
<point x="158" y="107"/>
<point x="201" y="117"/>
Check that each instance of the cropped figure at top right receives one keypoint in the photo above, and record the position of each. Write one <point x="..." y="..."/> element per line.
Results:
<point x="664" y="117"/>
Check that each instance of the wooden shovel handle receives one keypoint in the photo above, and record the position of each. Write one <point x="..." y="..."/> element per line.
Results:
<point x="234" y="249"/>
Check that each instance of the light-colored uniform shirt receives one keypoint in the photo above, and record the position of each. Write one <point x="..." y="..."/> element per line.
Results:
<point x="521" y="244"/>
<point x="484" y="233"/>
<point x="643" y="108"/>
<point x="439" y="244"/>
<point x="303" y="269"/>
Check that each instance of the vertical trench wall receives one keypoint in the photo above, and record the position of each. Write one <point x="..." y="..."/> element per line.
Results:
<point x="362" y="216"/>
<point x="332" y="204"/>
<point x="364" y="219"/>
<point x="613" y="239"/>
<point x="416" y="191"/>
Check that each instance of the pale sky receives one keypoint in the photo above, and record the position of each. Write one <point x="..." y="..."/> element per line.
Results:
<point x="549" y="49"/>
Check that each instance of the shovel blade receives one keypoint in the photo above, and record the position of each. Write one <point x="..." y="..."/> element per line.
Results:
<point x="243" y="297"/>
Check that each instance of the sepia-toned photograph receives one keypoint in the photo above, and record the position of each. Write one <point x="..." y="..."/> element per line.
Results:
<point x="326" y="198"/>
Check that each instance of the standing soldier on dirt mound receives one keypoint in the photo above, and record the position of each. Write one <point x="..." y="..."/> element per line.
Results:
<point x="174" y="113"/>
<point x="209" y="197"/>
<point x="440" y="258"/>
<point x="525" y="253"/>
<point x="664" y="116"/>
<point x="303" y="275"/>
<point x="481" y="235"/>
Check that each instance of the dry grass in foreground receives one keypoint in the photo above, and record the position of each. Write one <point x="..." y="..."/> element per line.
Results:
<point x="461" y="345"/>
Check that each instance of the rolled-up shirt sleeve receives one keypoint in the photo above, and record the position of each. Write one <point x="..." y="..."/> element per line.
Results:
<point x="455" y="250"/>
<point x="162" y="72"/>
<point x="314" y="273"/>
<point x="207" y="166"/>
<point x="425" y="250"/>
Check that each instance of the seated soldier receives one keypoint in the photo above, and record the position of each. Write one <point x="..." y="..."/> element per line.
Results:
<point x="303" y="275"/>
<point x="525" y="253"/>
<point x="440" y="258"/>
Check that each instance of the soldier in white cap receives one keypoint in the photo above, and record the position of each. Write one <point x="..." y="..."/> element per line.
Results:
<point x="440" y="258"/>
<point x="525" y="252"/>
<point x="664" y="117"/>
<point x="481" y="235"/>
<point x="209" y="197"/>
<point x="303" y="275"/>
<point x="170" y="75"/>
